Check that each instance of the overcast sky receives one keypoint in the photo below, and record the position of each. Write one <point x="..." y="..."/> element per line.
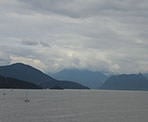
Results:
<point x="99" y="35"/>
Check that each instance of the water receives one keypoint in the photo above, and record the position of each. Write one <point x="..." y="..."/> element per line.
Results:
<point x="73" y="106"/>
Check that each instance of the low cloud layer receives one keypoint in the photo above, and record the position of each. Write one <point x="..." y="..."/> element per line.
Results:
<point x="86" y="34"/>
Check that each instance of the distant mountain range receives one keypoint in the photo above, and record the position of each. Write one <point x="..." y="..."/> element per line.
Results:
<point x="22" y="76"/>
<point x="88" y="78"/>
<point x="126" y="82"/>
<point x="32" y="75"/>
<point x="11" y="83"/>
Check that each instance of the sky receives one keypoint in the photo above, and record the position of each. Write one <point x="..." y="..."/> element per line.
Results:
<point x="98" y="35"/>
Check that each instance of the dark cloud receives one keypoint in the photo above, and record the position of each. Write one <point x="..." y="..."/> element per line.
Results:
<point x="29" y="43"/>
<point x="45" y="44"/>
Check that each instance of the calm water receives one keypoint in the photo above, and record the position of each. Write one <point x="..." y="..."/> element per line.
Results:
<point x="73" y="106"/>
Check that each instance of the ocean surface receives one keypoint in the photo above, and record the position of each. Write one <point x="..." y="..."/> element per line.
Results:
<point x="73" y="106"/>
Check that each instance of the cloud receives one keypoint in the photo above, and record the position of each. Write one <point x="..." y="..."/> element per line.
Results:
<point x="87" y="8"/>
<point x="86" y="34"/>
<point x="33" y="62"/>
<point x="4" y="58"/>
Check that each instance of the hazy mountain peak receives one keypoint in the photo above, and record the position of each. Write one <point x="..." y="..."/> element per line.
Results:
<point x="91" y="79"/>
<point x="126" y="82"/>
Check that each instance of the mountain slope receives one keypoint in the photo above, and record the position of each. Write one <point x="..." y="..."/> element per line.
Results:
<point x="6" y="82"/>
<point x="25" y="72"/>
<point x="146" y="75"/>
<point x="126" y="82"/>
<point x="28" y="73"/>
<point x="88" y="78"/>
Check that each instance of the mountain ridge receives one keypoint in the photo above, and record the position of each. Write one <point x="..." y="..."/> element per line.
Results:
<point x="28" y="73"/>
